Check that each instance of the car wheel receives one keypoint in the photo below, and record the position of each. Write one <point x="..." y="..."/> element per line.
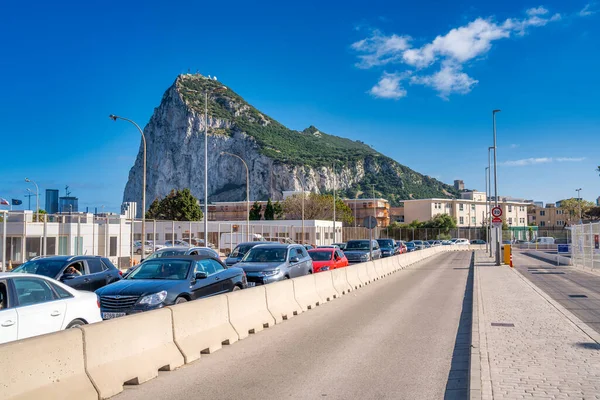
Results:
<point x="75" y="323"/>
<point x="180" y="300"/>
<point x="138" y="251"/>
<point x="236" y="287"/>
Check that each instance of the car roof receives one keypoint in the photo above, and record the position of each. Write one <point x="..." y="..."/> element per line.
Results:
<point x="330" y="249"/>
<point x="278" y="245"/>
<point x="11" y="275"/>
<point x="185" y="257"/>
<point x="254" y="243"/>
<point x="167" y="248"/>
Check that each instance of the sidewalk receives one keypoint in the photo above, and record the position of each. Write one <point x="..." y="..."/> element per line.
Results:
<point x="544" y="355"/>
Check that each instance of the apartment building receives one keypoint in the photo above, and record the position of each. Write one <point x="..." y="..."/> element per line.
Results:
<point x="361" y="208"/>
<point x="469" y="211"/>
<point x="549" y="216"/>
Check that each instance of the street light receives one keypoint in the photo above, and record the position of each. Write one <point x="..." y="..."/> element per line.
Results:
<point x="247" y="196"/>
<point x="487" y="208"/>
<point x="334" y="233"/>
<point x="489" y="200"/>
<point x="114" y="118"/>
<point x="37" y="199"/>
<point x="496" y="185"/>
<point x="220" y="88"/>
<point x="579" y="200"/>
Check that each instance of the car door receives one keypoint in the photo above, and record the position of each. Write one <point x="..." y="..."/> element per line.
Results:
<point x="96" y="274"/>
<point x="79" y="282"/>
<point x="39" y="310"/>
<point x="208" y="286"/>
<point x="294" y="267"/>
<point x="306" y="261"/>
<point x="8" y="315"/>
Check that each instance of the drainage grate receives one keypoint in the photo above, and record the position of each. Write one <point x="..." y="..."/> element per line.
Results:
<point x="503" y="324"/>
<point x="578" y="296"/>
<point x="547" y="273"/>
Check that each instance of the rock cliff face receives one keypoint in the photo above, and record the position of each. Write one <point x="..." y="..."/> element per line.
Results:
<point x="279" y="159"/>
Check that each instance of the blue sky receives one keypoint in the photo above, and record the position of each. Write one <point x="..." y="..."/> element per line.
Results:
<point x="416" y="81"/>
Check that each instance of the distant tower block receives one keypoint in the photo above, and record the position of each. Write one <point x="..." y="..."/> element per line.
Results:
<point x="459" y="185"/>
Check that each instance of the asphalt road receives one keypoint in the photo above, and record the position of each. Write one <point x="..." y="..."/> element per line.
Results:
<point x="577" y="291"/>
<point x="394" y="339"/>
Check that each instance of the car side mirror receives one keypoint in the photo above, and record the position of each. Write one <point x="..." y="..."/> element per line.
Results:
<point x="66" y="277"/>
<point x="294" y="259"/>
<point x="142" y="259"/>
<point x="201" y="275"/>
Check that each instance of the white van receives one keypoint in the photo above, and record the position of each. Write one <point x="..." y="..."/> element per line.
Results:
<point x="544" y="240"/>
<point x="228" y="241"/>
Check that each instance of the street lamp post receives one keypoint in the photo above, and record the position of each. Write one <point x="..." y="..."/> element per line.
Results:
<point x="37" y="199"/>
<point x="489" y="200"/>
<point x="498" y="232"/>
<point x="487" y="208"/>
<point x="114" y="118"/>
<point x="334" y="233"/>
<point x="579" y="200"/>
<point x="247" y="195"/>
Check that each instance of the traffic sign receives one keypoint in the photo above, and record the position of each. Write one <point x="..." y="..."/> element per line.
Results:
<point x="497" y="222"/>
<point x="496" y="212"/>
<point x="370" y="222"/>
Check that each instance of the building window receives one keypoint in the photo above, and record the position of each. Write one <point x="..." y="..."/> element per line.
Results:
<point x="473" y="221"/>
<point x="559" y="212"/>
<point x="509" y="208"/>
<point x="542" y="213"/>
<point x="461" y="220"/>
<point x="510" y="220"/>
<point x="472" y="207"/>
<point x="461" y="207"/>
<point x="542" y="223"/>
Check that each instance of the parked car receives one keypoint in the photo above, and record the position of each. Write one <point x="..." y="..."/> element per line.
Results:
<point x="176" y="251"/>
<point x="447" y="242"/>
<point x="402" y="248"/>
<point x="388" y="247"/>
<point x="478" y="241"/>
<point x="150" y="247"/>
<point x="180" y="243"/>
<point x="410" y="246"/>
<point x="240" y="251"/>
<point x="267" y="263"/>
<point x="462" y="242"/>
<point x="326" y="259"/>
<point x="342" y="246"/>
<point x="358" y="251"/>
<point x="79" y="272"/>
<point x="308" y="246"/>
<point x="200" y="243"/>
<point x="32" y="305"/>
<point x="419" y="244"/>
<point x="229" y="240"/>
<point x="544" y="240"/>
<point x="166" y="281"/>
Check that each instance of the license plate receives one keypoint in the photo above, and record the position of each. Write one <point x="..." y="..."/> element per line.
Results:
<point x="251" y="284"/>
<point x="111" y="315"/>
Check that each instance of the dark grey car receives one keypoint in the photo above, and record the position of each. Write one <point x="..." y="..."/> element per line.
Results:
<point x="267" y="263"/>
<point x="357" y="251"/>
<point x="240" y="251"/>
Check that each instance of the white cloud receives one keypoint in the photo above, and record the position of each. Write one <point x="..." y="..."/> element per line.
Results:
<point x="587" y="11"/>
<point x="450" y="51"/>
<point x="389" y="86"/>
<point x="449" y="79"/>
<point x="541" y="160"/>
<point x="514" y="146"/>
<point x="537" y="11"/>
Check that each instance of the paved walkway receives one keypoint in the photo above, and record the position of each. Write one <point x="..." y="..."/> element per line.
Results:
<point x="544" y="355"/>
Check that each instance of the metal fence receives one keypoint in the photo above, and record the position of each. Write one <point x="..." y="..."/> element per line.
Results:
<point x="585" y="246"/>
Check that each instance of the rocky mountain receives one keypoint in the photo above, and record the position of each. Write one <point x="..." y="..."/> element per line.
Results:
<point x="279" y="159"/>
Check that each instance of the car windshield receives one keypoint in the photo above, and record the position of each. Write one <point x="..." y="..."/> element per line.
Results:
<point x="358" y="245"/>
<point x="258" y="254"/>
<point x="166" y="253"/>
<point x="241" y="250"/>
<point x="410" y="244"/>
<point x="320" y="255"/>
<point x="385" y="243"/>
<point x="162" y="269"/>
<point x="49" y="268"/>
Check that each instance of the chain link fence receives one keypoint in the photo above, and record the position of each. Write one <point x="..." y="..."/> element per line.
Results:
<point x="585" y="246"/>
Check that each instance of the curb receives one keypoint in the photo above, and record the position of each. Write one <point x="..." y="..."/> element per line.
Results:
<point x="475" y="357"/>
<point x="578" y="323"/>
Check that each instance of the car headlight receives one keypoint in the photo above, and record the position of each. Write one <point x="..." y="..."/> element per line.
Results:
<point x="324" y="268"/>
<point x="154" y="299"/>
<point x="270" y="272"/>
<point x="364" y="256"/>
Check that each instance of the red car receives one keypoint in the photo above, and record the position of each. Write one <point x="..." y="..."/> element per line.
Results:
<point x="326" y="259"/>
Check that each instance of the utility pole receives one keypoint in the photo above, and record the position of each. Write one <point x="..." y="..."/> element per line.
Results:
<point x="334" y="235"/>
<point x="489" y="200"/>
<point x="579" y="200"/>
<point x="498" y="230"/>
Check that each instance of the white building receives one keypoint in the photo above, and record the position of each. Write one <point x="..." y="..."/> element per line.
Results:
<point x="64" y="234"/>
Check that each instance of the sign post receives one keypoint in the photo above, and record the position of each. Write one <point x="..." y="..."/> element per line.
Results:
<point x="370" y="223"/>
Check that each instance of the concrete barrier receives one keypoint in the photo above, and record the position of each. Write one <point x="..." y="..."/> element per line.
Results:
<point x="305" y="292"/>
<point x="550" y="258"/>
<point x="363" y="275"/>
<point x="373" y="275"/>
<point x="340" y="280"/>
<point x="402" y="261"/>
<point x="281" y="302"/>
<point x="202" y="327"/>
<point x="112" y="360"/>
<point x="324" y="286"/>
<point x="352" y="276"/>
<point x="378" y="267"/>
<point x="248" y="312"/>
<point x="45" y="367"/>
<point x="391" y="265"/>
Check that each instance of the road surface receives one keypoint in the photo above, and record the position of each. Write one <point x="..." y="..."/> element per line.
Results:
<point x="394" y="339"/>
<point x="575" y="290"/>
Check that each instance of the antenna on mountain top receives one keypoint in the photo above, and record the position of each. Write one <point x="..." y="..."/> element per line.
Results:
<point x="209" y="77"/>
<point x="67" y="191"/>
<point x="215" y="78"/>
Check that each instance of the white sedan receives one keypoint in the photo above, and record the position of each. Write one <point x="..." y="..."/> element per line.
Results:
<point x="32" y="305"/>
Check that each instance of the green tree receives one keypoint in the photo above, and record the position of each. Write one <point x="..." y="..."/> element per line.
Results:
<point x="277" y="210"/>
<point x="317" y="206"/>
<point x="593" y="214"/>
<point x="179" y="205"/>
<point x="443" y="222"/>
<point x="269" y="211"/>
<point x="42" y="214"/>
<point x="574" y="206"/>
<point x="255" y="211"/>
